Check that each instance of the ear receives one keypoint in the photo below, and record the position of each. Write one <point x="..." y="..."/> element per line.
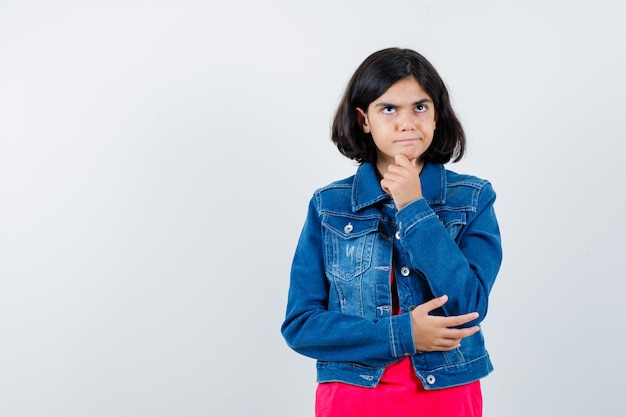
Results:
<point x="362" y="119"/>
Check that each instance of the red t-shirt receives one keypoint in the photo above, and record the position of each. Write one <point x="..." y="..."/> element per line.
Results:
<point x="398" y="393"/>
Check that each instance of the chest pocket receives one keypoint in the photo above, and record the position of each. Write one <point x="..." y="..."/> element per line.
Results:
<point x="348" y="245"/>
<point x="453" y="221"/>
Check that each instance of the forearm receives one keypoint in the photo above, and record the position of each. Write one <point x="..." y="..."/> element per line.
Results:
<point x="338" y="337"/>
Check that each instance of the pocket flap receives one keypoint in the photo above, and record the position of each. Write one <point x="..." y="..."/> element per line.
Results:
<point x="349" y="228"/>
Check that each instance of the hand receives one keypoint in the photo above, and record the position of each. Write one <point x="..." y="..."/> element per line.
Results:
<point x="434" y="333"/>
<point x="402" y="181"/>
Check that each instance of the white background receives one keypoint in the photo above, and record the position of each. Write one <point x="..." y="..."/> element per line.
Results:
<point x="157" y="158"/>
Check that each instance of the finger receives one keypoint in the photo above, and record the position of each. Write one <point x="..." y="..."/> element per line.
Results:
<point x="402" y="160"/>
<point x="386" y="185"/>
<point x="447" y="344"/>
<point x="434" y="304"/>
<point x="394" y="173"/>
<point x="453" y="335"/>
<point x="427" y="307"/>
<point x="398" y="170"/>
<point x="454" y="321"/>
<point x="448" y="339"/>
<point x="444" y="345"/>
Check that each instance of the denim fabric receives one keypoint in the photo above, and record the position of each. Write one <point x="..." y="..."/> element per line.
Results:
<point x="339" y="302"/>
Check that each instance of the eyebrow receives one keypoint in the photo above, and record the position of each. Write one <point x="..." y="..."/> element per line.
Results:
<point x="423" y="101"/>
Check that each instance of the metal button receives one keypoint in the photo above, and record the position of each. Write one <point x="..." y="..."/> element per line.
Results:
<point x="430" y="379"/>
<point x="348" y="228"/>
<point x="398" y="235"/>
<point x="405" y="271"/>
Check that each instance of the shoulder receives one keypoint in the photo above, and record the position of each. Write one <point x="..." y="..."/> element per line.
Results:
<point x="339" y="185"/>
<point x="455" y="179"/>
<point x="334" y="196"/>
<point x="465" y="186"/>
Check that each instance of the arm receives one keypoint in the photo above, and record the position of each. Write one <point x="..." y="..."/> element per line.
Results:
<point x="310" y="329"/>
<point x="464" y="270"/>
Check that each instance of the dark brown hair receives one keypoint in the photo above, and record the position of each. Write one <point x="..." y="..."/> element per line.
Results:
<point x="372" y="78"/>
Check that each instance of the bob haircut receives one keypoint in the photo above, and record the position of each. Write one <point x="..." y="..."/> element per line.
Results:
<point x="372" y="78"/>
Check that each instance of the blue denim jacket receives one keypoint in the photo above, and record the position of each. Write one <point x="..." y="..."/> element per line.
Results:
<point x="339" y="303"/>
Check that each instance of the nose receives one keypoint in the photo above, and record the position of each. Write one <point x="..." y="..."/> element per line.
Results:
<point x="406" y="121"/>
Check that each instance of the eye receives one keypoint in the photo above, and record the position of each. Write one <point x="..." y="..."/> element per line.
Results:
<point x="421" y="108"/>
<point x="388" y="110"/>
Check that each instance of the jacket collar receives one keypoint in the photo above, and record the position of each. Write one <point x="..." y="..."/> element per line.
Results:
<point x="366" y="189"/>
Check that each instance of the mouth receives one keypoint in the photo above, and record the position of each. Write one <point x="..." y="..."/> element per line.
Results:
<point x="407" y="141"/>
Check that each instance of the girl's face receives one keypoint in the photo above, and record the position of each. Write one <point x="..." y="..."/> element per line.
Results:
<point x="401" y="121"/>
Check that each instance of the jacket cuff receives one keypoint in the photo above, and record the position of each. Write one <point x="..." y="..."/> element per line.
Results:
<point x="402" y="336"/>
<point x="412" y="214"/>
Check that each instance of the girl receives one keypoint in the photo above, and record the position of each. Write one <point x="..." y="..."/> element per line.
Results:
<point x="392" y="272"/>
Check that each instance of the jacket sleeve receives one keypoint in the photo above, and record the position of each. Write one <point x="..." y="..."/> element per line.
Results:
<point x="464" y="269"/>
<point x="312" y="330"/>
